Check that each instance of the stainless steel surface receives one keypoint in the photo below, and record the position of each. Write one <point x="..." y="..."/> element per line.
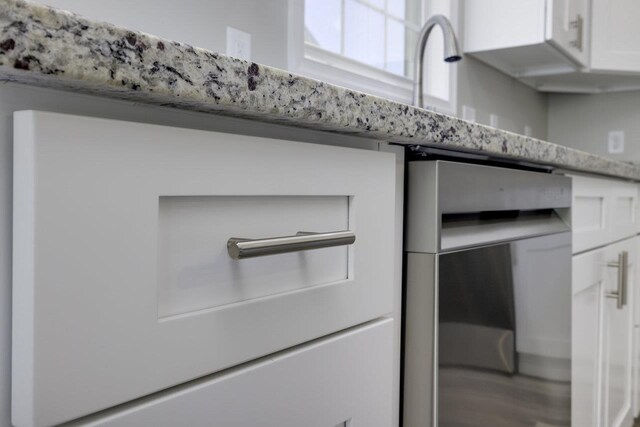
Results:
<point x="578" y="25"/>
<point x="467" y="231"/>
<point x="421" y="335"/>
<point x="240" y="248"/>
<point x="619" y="293"/>
<point x="438" y="188"/>
<point x="625" y="277"/>
<point x="488" y="325"/>
<point x="451" y="53"/>
<point x="622" y="291"/>
<point x="496" y="319"/>
<point x="476" y="188"/>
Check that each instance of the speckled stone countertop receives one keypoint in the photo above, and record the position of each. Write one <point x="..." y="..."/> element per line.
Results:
<point x="52" y="48"/>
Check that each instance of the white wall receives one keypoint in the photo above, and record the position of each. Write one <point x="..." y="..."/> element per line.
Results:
<point x="201" y="23"/>
<point x="583" y="122"/>
<point x="492" y="92"/>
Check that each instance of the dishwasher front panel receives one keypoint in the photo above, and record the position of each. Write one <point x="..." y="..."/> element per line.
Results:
<point x="504" y="334"/>
<point x="488" y="336"/>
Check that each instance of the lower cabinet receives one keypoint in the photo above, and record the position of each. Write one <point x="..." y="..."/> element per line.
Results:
<point x="343" y="380"/>
<point x="146" y="257"/>
<point x="636" y="341"/>
<point x="603" y="292"/>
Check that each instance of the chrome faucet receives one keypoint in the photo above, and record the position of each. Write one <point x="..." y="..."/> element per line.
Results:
<point x="451" y="52"/>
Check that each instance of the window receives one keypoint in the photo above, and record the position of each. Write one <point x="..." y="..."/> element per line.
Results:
<point x="368" y="45"/>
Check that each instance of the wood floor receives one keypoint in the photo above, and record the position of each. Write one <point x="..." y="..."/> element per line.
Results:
<point x="474" y="398"/>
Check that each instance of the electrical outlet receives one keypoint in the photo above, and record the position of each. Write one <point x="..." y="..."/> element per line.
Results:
<point x="616" y="142"/>
<point x="238" y="43"/>
<point x="469" y="113"/>
<point x="494" y="120"/>
<point x="527" y="130"/>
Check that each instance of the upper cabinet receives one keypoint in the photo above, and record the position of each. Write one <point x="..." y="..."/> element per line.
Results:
<point x="584" y="46"/>
<point x="528" y="37"/>
<point x="615" y="36"/>
<point x="566" y="25"/>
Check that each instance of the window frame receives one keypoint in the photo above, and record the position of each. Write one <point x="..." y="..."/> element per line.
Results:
<point x="317" y="63"/>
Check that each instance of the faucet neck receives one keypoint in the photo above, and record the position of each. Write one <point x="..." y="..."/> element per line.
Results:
<point x="451" y="53"/>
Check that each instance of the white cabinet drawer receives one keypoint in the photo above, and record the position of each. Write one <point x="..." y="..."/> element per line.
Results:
<point x="342" y="380"/>
<point x="191" y="258"/>
<point x="122" y="281"/>
<point x="603" y="211"/>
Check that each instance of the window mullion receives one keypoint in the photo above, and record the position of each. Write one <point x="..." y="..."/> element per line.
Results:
<point x="386" y="35"/>
<point x="343" y="8"/>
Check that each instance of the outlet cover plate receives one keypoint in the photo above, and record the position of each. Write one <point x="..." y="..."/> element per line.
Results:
<point x="469" y="113"/>
<point x="616" y="142"/>
<point x="494" y="120"/>
<point x="238" y="44"/>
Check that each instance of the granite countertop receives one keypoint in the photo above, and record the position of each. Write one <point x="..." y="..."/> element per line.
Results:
<point x="52" y="48"/>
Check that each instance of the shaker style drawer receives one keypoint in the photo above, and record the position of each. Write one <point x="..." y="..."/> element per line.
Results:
<point x="343" y="380"/>
<point x="603" y="211"/>
<point x="146" y="256"/>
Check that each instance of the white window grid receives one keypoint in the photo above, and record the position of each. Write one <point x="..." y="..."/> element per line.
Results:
<point x="312" y="61"/>
<point x="388" y="15"/>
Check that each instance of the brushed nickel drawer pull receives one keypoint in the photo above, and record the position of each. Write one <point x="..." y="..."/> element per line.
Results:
<point x="620" y="294"/>
<point x="578" y="25"/>
<point x="625" y="277"/>
<point x="240" y="248"/>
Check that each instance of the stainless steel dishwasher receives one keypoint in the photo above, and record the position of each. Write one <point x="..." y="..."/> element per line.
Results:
<point x="487" y="338"/>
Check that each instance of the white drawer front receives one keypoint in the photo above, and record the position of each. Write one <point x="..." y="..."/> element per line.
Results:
<point x="195" y="271"/>
<point x="123" y="286"/>
<point x="624" y="210"/>
<point x="343" y="380"/>
<point x="603" y="211"/>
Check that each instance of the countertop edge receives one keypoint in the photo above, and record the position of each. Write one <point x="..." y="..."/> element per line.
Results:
<point x="42" y="46"/>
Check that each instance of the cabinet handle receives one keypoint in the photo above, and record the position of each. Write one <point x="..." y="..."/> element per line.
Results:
<point x="240" y="248"/>
<point x="578" y="25"/>
<point x="625" y="277"/>
<point x="623" y="269"/>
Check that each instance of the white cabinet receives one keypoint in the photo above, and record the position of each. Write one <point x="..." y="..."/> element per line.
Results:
<point x="604" y="211"/>
<point x="615" y="36"/>
<point x="576" y="46"/>
<point x="343" y="380"/>
<point x="123" y="284"/>
<point x="588" y="279"/>
<point x="567" y="26"/>
<point x="636" y="335"/>
<point x="528" y="37"/>
<point x="617" y="340"/>
<point x="604" y="353"/>
<point x="602" y="337"/>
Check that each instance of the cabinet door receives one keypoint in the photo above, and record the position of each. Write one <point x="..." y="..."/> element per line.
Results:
<point x="590" y="213"/>
<point x="636" y="332"/>
<point x="624" y="218"/>
<point x="615" y="35"/>
<point x="588" y="281"/>
<point x="616" y="344"/>
<point x="604" y="211"/>
<point x="602" y="369"/>
<point x="123" y="282"/>
<point x="567" y="27"/>
<point x="341" y="381"/>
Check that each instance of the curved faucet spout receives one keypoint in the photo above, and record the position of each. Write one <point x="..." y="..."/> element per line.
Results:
<point x="451" y="52"/>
